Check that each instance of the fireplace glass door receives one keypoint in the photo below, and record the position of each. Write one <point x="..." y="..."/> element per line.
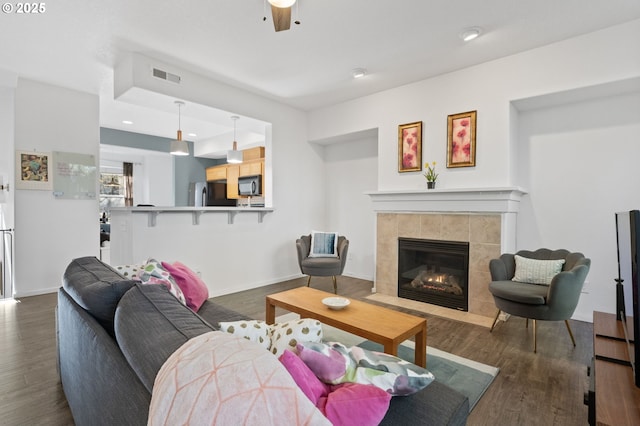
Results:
<point x="434" y="271"/>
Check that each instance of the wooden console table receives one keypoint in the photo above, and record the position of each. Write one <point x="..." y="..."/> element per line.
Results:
<point x="617" y="399"/>
<point x="378" y="324"/>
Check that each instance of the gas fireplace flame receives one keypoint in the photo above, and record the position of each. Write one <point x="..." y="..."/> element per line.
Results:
<point x="437" y="281"/>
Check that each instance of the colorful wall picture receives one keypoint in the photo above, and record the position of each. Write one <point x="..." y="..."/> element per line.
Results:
<point x="410" y="147"/>
<point x="461" y="148"/>
<point x="33" y="170"/>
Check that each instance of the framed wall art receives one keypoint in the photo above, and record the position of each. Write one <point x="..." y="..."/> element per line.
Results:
<point x="33" y="170"/>
<point x="410" y="147"/>
<point x="461" y="147"/>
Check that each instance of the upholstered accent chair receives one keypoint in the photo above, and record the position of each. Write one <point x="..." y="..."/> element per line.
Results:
<point x="539" y="285"/>
<point x="329" y="266"/>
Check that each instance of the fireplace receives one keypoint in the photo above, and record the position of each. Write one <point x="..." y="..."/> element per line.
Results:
<point x="486" y="218"/>
<point x="434" y="271"/>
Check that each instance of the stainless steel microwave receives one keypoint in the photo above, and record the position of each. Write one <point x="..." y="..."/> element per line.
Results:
<point x="250" y="185"/>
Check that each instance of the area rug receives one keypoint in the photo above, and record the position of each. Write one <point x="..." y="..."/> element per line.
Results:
<point x="468" y="377"/>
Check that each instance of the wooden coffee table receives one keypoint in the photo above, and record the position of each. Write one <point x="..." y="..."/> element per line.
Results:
<point x="378" y="324"/>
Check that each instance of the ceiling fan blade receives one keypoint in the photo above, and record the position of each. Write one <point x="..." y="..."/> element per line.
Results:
<point x="281" y="18"/>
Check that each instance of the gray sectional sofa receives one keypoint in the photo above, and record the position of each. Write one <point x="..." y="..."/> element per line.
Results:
<point x="114" y="336"/>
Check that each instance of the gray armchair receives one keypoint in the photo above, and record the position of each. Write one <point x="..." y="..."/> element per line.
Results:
<point x="555" y="302"/>
<point x="322" y="266"/>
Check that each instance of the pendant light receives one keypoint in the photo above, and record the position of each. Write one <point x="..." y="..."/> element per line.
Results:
<point x="282" y="3"/>
<point x="179" y="147"/>
<point x="233" y="155"/>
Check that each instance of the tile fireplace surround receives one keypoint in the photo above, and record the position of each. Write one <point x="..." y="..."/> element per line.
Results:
<point x="484" y="217"/>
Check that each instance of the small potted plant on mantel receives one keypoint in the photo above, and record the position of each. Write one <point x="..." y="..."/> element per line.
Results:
<point x="431" y="174"/>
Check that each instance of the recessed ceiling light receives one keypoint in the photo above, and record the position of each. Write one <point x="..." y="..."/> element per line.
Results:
<point x="193" y="135"/>
<point x="358" y="72"/>
<point x="470" y="33"/>
<point x="127" y="122"/>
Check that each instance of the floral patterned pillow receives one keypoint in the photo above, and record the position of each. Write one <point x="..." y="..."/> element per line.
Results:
<point x="154" y="273"/>
<point x="334" y="364"/>
<point x="344" y="404"/>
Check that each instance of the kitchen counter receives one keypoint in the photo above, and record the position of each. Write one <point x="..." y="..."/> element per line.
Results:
<point x="196" y="212"/>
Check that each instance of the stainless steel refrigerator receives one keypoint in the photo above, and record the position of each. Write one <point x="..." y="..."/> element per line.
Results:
<point x="198" y="194"/>
<point x="209" y="194"/>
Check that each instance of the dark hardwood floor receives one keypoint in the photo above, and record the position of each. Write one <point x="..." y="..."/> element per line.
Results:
<point x="531" y="389"/>
<point x="30" y="391"/>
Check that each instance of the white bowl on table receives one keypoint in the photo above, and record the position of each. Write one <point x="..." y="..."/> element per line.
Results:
<point x="336" y="303"/>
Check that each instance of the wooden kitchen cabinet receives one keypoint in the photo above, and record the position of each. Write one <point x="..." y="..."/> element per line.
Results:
<point x="233" y="173"/>
<point x="251" y="168"/>
<point x="253" y="153"/>
<point x="217" y="173"/>
<point x="252" y="165"/>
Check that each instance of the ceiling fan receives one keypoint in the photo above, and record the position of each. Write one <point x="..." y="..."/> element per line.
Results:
<point x="281" y="13"/>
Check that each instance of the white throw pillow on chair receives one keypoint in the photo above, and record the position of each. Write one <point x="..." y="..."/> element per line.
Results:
<point x="536" y="271"/>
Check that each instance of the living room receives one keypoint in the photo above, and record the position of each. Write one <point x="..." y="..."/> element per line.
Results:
<point x="582" y="85"/>
<point x="548" y="119"/>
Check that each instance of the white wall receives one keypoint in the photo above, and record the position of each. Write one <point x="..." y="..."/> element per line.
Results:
<point x="157" y="173"/>
<point x="8" y="82"/>
<point x="594" y="59"/>
<point x="7" y="95"/>
<point x="50" y="232"/>
<point x="351" y="169"/>
<point x="580" y="163"/>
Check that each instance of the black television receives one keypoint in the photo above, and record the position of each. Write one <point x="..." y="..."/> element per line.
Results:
<point x="628" y="291"/>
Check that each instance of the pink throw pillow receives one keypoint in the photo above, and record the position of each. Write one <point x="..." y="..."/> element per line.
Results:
<point x="194" y="289"/>
<point x="355" y="404"/>
<point x="310" y="385"/>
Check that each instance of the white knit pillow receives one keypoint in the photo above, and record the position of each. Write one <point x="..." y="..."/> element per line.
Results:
<point x="534" y="271"/>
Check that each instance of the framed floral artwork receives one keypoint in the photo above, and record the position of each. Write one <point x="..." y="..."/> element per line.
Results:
<point x="461" y="148"/>
<point x="33" y="170"/>
<point x="410" y="147"/>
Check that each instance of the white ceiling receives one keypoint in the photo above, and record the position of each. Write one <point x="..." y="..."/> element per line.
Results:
<point x="77" y="43"/>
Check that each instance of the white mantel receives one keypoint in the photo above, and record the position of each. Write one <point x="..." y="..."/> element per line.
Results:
<point x="468" y="200"/>
<point x="497" y="200"/>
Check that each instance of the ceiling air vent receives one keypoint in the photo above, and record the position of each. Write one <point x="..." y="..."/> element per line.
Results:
<point x="164" y="75"/>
